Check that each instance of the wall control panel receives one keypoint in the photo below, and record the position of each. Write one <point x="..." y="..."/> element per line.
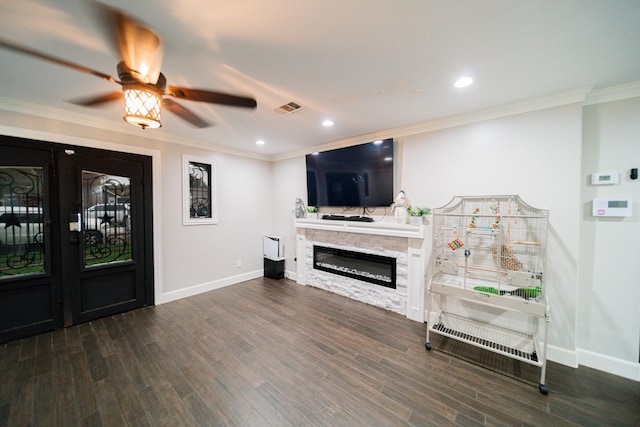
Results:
<point x="608" y="178"/>
<point x="611" y="207"/>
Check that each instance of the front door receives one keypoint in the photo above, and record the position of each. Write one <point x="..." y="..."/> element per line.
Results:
<point x="30" y="276"/>
<point x="103" y="241"/>
<point x="85" y="241"/>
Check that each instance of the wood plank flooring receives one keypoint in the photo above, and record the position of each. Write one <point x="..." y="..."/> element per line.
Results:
<point x="274" y="353"/>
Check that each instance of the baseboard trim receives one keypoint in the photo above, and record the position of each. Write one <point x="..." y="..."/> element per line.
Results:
<point x="610" y="365"/>
<point x="562" y="356"/>
<point x="208" y="286"/>
<point x="291" y="275"/>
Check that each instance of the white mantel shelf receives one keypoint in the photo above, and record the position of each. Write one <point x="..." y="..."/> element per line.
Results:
<point x="376" y="228"/>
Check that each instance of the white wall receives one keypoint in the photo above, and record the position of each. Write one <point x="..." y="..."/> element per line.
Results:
<point x="289" y="182"/>
<point x="198" y="258"/>
<point x="609" y="293"/>
<point x="534" y="155"/>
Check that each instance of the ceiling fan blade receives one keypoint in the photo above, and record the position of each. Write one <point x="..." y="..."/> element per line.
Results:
<point x="138" y="46"/>
<point x="56" y="60"/>
<point x="211" y="97"/>
<point x="93" y="101"/>
<point x="185" y="114"/>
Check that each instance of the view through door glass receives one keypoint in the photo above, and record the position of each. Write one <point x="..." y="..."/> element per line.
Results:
<point x="21" y="221"/>
<point x="106" y="208"/>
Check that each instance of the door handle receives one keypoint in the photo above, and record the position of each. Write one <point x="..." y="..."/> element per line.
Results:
<point x="75" y="227"/>
<point x="74" y="238"/>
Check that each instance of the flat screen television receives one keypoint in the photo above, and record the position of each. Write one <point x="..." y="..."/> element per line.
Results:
<point x="356" y="176"/>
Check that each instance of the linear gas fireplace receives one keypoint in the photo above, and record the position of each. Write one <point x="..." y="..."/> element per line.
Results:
<point x="376" y="269"/>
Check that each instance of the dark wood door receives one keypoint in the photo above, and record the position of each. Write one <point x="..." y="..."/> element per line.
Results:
<point x="30" y="274"/>
<point x="103" y="248"/>
<point x="89" y="238"/>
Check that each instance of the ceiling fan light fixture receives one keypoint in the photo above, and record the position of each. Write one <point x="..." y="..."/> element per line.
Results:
<point x="142" y="107"/>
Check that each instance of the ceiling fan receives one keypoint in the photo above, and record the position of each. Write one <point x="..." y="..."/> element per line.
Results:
<point x="144" y="87"/>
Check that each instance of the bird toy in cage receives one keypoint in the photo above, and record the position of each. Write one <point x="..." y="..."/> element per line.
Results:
<point x="473" y="224"/>
<point x="496" y="212"/>
<point x="455" y="244"/>
<point x="506" y="258"/>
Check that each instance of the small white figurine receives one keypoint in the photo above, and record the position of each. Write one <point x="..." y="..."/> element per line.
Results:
<point x="399" y="207"/>
<point x="299" y="209"/>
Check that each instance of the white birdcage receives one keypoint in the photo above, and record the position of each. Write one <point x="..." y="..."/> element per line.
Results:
<point x="490" y="251"/>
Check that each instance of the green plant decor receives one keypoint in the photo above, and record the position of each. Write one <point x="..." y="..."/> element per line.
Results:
<point x="417" y="211"/>
<point x="312" y="209"/>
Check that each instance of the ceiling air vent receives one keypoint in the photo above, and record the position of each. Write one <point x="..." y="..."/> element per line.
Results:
<point x="288" y="108"/>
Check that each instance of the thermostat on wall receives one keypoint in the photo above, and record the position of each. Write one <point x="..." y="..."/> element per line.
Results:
<point x="611" y="207"/>
<point x="604" y="178"/>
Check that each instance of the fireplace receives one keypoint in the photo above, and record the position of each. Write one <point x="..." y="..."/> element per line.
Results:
<point x="371" y="268"/>
<point x="406" y="247"/>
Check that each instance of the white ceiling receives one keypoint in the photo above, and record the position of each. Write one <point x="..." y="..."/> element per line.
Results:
<point x="370" y="65"/>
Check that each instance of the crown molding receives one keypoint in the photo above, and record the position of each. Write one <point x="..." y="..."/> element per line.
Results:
<point x="31" y="109"/>
<point x="584" y="94"/>
<point x="577" y="95"/>
<point x="614" y="93"/>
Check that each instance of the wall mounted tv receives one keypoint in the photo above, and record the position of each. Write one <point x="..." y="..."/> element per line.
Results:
<point x="356" y="176"/>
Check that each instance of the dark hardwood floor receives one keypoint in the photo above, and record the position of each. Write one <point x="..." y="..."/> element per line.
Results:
<point x="268" y="352"/>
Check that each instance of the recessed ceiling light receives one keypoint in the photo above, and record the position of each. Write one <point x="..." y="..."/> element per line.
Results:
<point x="260" y="142"/>
<point x="328" y="123"/>
<point x="378" y="142"/>
<point x="463" y="82"/>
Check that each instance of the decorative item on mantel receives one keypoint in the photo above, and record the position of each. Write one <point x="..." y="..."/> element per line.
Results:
<point x="398" y="207"/>
<point x="298" y="208"/>
<point x="312" y="212"/>
<point x="416" y="214"/>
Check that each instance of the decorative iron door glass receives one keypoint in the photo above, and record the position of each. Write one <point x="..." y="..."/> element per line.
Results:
<point x="22" y="232"/>
<point x="198" y="191"/>
<point x="106" y="224"/>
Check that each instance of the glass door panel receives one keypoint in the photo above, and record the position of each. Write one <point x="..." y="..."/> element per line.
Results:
<point x="106" y="213"/>
<point x="22" y="227"/>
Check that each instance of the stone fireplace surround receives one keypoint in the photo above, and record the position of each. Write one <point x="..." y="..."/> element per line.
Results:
<point x="409" y="244"/>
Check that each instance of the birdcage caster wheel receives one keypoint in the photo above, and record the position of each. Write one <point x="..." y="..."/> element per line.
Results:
<point x="427" y="346"/>
<point x="543" y="389"/>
